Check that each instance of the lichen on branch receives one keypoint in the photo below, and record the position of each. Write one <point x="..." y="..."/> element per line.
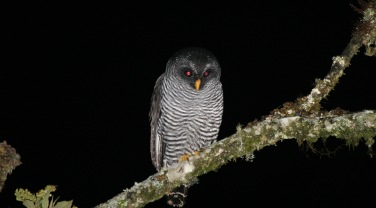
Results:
<point x="366" y="27"/>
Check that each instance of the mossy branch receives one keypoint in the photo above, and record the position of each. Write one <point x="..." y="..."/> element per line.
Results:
<point x="349" y="127"/>
<point x="303" y="120"/>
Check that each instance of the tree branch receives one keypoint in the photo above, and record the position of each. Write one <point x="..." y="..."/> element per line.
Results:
<point x="350" y="127"/>
<point x="364" y="34"/>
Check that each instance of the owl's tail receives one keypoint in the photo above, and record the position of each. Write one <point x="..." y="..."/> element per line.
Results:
<point x="176" y="197"/>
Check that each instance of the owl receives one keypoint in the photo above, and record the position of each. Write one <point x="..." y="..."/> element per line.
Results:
<point x="186" y="110"/>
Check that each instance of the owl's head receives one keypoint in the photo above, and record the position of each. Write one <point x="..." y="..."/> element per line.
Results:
<point x="196" y="67"/>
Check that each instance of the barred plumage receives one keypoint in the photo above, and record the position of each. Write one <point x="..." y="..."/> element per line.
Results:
<point x="186" y="109"/>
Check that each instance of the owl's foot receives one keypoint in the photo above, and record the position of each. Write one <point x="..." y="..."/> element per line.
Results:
<point x="186" y="156"/>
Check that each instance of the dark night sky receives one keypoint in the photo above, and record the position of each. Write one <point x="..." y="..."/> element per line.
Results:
<point x="77" y="81"/>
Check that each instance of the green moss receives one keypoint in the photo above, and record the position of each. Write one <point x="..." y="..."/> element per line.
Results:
<point x="42" y="199"/>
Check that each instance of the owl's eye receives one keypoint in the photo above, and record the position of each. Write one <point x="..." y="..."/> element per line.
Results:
<point x="206" y="74"/>
<point x="188" y="73"/>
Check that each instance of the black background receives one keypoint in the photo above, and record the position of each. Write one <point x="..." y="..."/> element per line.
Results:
<point x="77" y="81"/>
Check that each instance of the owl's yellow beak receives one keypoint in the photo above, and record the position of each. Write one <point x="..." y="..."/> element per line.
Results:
<point x="197" y="84"/>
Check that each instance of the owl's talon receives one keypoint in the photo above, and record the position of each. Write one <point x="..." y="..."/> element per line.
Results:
<point x="184" y="157"/>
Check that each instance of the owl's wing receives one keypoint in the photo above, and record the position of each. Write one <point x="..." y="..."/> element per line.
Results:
<point x="156" y="140"/>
